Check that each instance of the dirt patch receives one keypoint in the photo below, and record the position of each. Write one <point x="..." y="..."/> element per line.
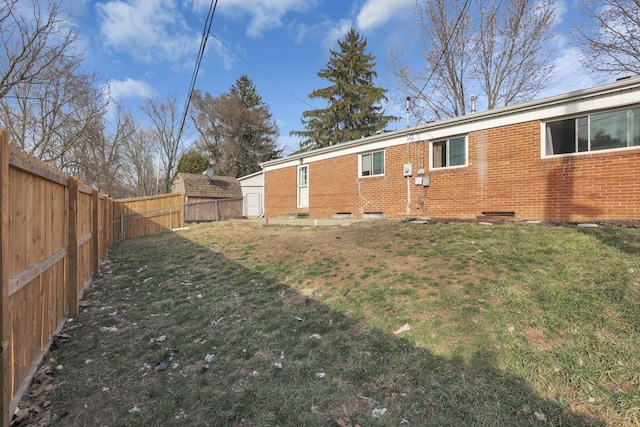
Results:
<point x="535" y="337"/>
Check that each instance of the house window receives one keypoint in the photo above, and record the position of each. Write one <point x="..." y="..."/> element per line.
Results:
<point x="449" y="153"/>
<point x="372" y="163"/>
<point x="600" y="131"/>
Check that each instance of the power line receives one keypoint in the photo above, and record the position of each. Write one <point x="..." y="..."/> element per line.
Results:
<point x="444" y="50"/>
<point x="261" y="73"/>
<point x="194" y="77"/>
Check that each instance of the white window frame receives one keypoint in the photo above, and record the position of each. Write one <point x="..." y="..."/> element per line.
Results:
<point x="447" y="141"/>
<point x="371" y="153"/>
<point x="546" y="143"/>
<point x="302" y="188"/>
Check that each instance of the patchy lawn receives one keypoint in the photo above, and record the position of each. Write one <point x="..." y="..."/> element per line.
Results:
<point x="374" y="324"/>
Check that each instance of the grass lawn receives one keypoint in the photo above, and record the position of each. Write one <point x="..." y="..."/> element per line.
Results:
<point x="375" y="324"/>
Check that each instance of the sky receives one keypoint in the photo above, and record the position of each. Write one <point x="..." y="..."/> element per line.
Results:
<point x="148" y="48"/>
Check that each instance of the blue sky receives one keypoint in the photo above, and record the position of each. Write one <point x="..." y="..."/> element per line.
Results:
<point x="148" y="48"/>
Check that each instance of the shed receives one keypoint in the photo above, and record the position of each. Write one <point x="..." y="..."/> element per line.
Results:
<point x="209" y="199"/>
<point x="252" y="194"/>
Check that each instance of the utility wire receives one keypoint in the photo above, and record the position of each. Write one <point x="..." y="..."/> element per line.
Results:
<point x="261" y="73"/>
<point x="444" y="50"/>
<point x="194" y="77"/>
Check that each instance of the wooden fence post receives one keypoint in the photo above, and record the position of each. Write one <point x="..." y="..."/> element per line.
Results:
<point x="112" y="222"/>
<point x="95" y="233"/>
<point x="105" y="222"/>
<point x="5" y="315"/>
<point x="73" y="247"/>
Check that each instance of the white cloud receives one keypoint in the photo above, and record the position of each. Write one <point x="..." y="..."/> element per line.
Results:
<point x="335" y="33"/>
<point x="288" y="144"/>
<point x="569" y="74"/>
<point x="146" y="29"/>
<point x="265" y="14"/>
<point x="377" y="12"/>
<point x="228" y="59"/>
<point x="327" y="32"/>
<point x="560" y="9"/>
<point x="130" y="88"/>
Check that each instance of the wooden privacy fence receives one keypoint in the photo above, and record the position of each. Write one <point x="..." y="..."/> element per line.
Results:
<point x="54" y="230"/>
<point x="147" y="215"/>
<point x="213" y="210"/>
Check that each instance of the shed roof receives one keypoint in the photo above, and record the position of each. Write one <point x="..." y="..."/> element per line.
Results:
<point x="252" y="175"/>
<point x="198" y="185"/>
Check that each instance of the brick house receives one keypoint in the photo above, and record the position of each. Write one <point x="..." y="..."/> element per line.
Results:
<point x="569" y="157"/>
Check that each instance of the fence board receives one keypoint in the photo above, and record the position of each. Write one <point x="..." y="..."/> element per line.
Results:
<point x="21" y="160"/>
<point x="5" y="307"/>
<point x="54" y="230"/>
<point x="212" y="210"/>
<point x="147" y="215"/>
<point x="73" y="247"/>
<point x="23" y="278"/>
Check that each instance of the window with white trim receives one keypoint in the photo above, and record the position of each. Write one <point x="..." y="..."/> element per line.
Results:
<point x="449" y="153"/>
<point x="372" y="163"/>
<point x="599" y="131"/>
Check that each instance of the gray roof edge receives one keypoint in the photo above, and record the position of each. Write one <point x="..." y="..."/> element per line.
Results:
<point x="617" y="86"/>
<point x="251" y="175"/>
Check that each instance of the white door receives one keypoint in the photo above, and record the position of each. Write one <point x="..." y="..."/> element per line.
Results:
<point x="252" y="205"/>
<point x="303" y="186"/>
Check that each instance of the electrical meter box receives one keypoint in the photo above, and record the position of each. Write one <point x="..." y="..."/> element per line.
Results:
<point x="408" y="169"/>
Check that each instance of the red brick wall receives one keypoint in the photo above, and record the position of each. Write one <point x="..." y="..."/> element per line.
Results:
<point x="280" y="187"/>
<point x="505" y="173"/>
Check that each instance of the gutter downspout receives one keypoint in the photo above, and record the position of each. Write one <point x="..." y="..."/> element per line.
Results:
<point x="408" y="159"/>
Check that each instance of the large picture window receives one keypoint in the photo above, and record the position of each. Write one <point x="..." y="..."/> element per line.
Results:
<point x="449" y="153"/>
<point x="599" y="131"/>
<point x="372" y="163"/>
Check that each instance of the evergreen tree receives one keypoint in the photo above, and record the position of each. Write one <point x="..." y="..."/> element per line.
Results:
<point x="193" y="162"/>
<point x="354" y="105"/>
<point x="245" y="89"/>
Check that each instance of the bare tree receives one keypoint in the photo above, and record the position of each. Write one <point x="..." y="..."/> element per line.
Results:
<point x="515" y="62"/>
<point x="100" y="159"/>
<point x="612" y="36"/>
<point x="165" y="130"/>
<point x="494" y="48"/>
<point x="445" y="28"/>
<point x="34" y="35"/>
<point x="50" y="119"/>
<point x="236" y="135"/>
<point x="139" y="174"/>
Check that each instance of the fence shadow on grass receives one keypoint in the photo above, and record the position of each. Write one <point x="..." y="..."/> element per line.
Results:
<point x="175" y="333"/>
<point x="616" y="237"/>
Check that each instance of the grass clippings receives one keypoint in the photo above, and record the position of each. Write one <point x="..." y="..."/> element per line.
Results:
<point x="375" y="324"/>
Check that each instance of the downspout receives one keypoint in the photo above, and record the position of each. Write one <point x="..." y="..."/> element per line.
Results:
<point x="408" y="159"/>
